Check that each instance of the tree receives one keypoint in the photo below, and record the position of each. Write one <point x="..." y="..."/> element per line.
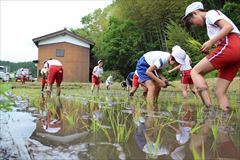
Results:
<point x="232" y="10"/>
<point x="121" y="46"/>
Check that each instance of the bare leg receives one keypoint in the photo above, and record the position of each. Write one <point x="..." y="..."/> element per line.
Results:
<point x="193" y="89"/>
<point x="58" y="89"/>
<point x="150" y="95"/>
<point x="133" y="90"/>
<point x="98" y="88"/>
<point x="49" y="90"/>
<point x="221" y="90"/>
<point x="184" y="92"/>
<point x="156" y="94"/>
<point x="197" y="73"/>
<point x="92" y="87"/>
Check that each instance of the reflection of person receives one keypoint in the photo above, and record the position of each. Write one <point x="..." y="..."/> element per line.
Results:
<point x="224" y="144"/>
<point x="146" y="143"/>
<point x="225" y="58"/>
<point x="145" y="140"/>
<point x="108" y="82"/>
<point x="42" y="105"/>
<point x="97" y="71"/>
<point x="49" y="123"/>
<point x="186" y="123"/>
<point x="54" y="72"/>
<point x="186" y="79"/>
<point x="97" y="113"/>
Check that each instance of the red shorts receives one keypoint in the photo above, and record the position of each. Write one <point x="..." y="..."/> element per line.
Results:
<point x="55" y="73"/>
<point x="186" y="77"/>
<point x="95" y="80"/>
<point x="226" y="57"/>
<point x="135" y="81"/>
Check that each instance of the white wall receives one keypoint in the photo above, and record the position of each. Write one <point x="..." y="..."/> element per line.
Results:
<point x="64" y="38"/>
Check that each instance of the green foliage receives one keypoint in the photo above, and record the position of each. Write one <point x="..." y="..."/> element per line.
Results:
<point x="125" y="30"/>
<point x="5" y="102"/>
<point x="121" y="46"/>
<point x="15" y="66"/>
<point x="178" y="36"/>
<point x="232" y="10"/>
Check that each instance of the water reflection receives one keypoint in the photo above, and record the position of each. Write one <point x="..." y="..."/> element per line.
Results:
<point x="52" y="127"/>
<point x="156" y="138"/>
<point x="162" y="134"/>
<point x="214" y="136"/>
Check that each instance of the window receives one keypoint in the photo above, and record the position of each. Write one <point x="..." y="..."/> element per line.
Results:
<point x="60" y="53"/>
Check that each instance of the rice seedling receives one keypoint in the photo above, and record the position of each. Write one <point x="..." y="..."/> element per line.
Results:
<point x="195" y="153"/>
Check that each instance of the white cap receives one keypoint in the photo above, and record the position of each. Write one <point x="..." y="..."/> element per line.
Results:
<point x="179" y="54"/>
<point x="99" y="61"/>
<point x="193" y="7"/>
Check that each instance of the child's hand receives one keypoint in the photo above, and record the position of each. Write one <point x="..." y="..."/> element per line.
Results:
<point x="206" y="46"/>
<point x="169" y="71"/>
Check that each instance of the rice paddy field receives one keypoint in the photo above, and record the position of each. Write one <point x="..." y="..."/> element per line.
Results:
<point x="110" y="125"/>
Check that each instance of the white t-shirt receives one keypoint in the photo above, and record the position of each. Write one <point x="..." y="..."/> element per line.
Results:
<point x="23" y="73"/>
<point x="186" y="65"/>
<point x="109" y="80"/>
<point x="97" y="71"/>
<point x="52" y="62"/>
<point x="212" y="29"/>
<point x="158" y="58"/>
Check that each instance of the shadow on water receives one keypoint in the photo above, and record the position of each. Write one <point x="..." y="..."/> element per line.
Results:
<point x="106" y="128"/>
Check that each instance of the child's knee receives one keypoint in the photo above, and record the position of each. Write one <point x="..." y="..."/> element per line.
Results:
<point x="219" y="92"/>
<point x="202" y="89"/>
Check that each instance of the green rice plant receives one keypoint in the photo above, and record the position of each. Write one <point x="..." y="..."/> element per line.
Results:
<point x="214" y="129"/>
<point x="95" y="126"/>
<point x="195" y="128"/>
<point x="196" y="155"/>
<point x="119" y="126"/>
<point x="203" y="151"/>
<point x="159" y="140"/>
<point x="199" y="113"/>
<point x="70" y="119"/>
<point x="169" y="108"/>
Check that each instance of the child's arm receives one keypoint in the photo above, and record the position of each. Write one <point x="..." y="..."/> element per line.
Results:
<point x="149" y="72"/>
<point x="94" y="71"/>
<point x="175" y="68"/>
<point x="226" y="28"/>
<point x="159" y="72"/>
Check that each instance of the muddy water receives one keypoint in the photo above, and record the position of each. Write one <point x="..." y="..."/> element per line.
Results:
<point x="164" y="135"/>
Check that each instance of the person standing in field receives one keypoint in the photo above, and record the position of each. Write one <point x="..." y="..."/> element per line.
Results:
<point x="23" y="76"/>
<point x="108" y="82"/>
<point x="225" y="58"/>
<point x="96" y="74"/>
<point x="186" y="79"/>
<point x="54" y="73"/>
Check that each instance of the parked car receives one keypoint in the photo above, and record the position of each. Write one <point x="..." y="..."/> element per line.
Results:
<point x="28" y="74"/>
<point x="4" y="74"/>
